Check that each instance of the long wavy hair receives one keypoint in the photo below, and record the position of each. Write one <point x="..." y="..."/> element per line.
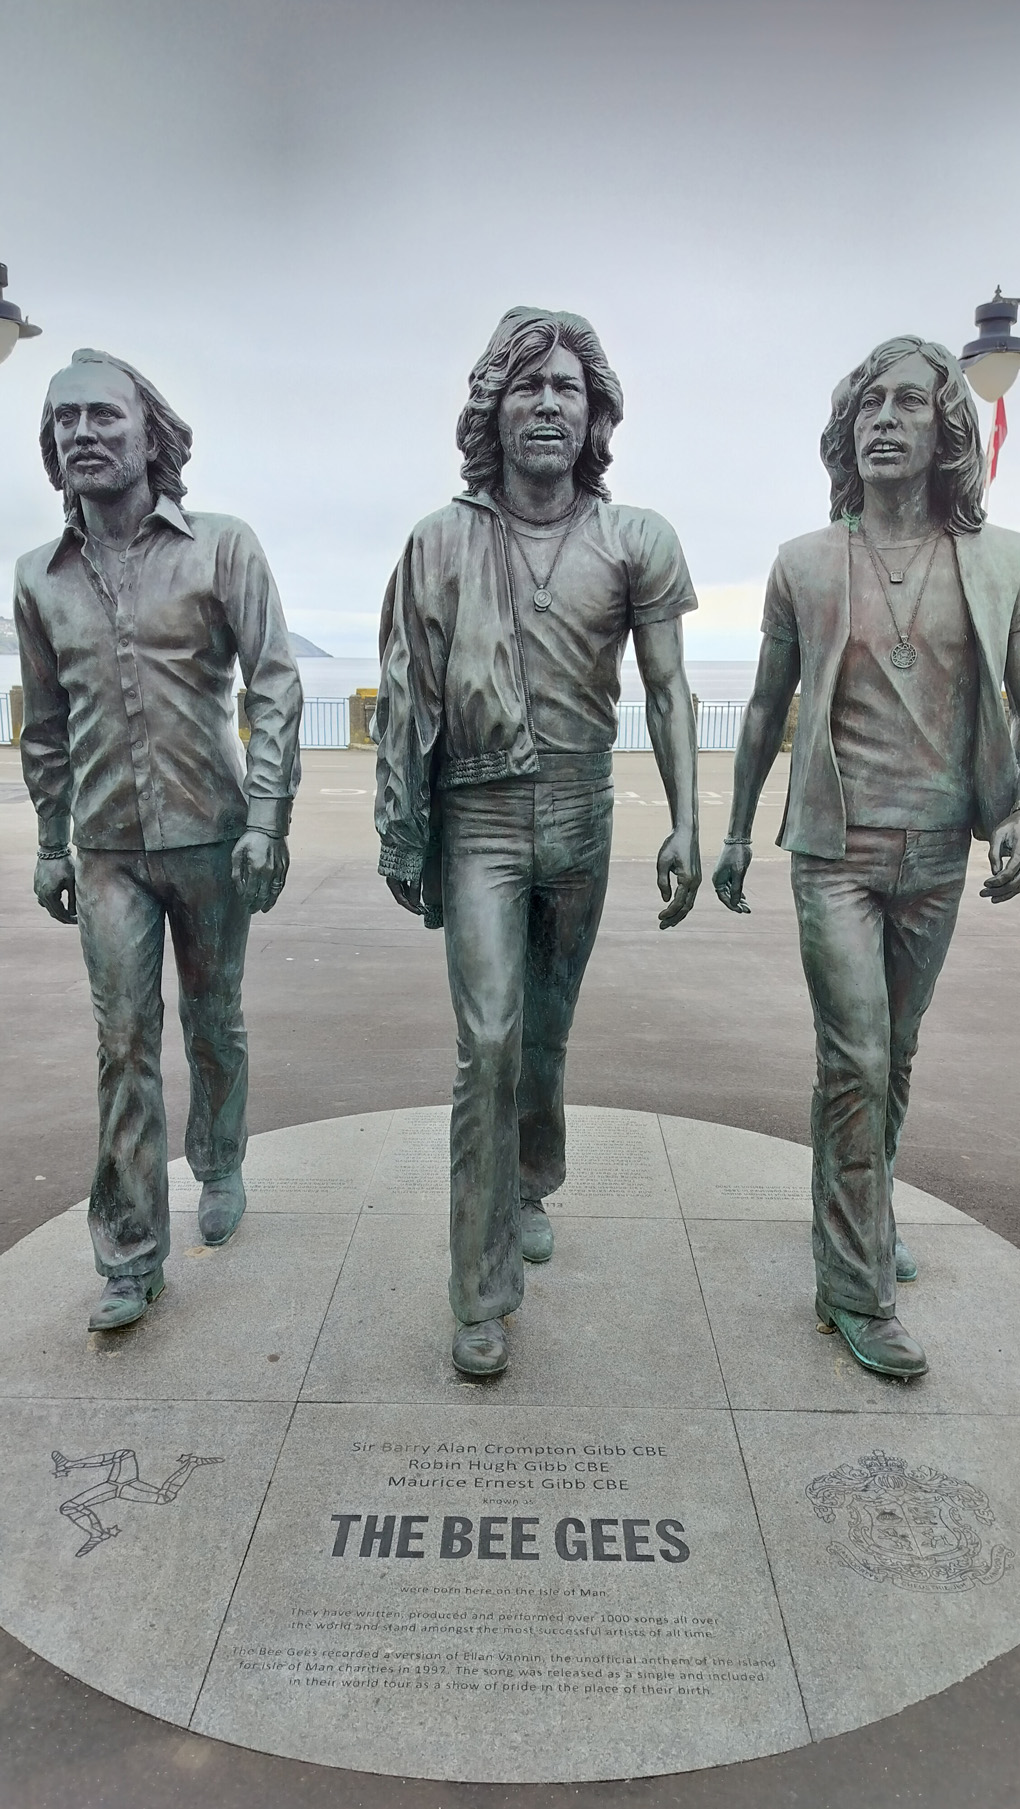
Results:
<point x="958" y="474"/>
<point x="171" y="436"/>
<point x="525" y="337"/>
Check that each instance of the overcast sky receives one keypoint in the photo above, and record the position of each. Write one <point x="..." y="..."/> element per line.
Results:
<point x="303" y="220"/>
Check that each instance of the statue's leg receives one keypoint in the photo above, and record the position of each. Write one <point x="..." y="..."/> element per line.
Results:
<point x="841" y="912"/>
<point x="488" y="841"/>
<point x="918" y="930"/>
<point x="209" y="926"/>
<point x="120" y="916"/>
<point x="574" y="832"/>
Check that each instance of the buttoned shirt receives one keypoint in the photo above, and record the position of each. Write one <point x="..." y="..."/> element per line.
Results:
<point x="129" y="715"/>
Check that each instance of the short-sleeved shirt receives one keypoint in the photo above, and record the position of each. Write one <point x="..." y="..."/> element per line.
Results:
<point x="904" y="739"/>
<point x="618" y="568"/>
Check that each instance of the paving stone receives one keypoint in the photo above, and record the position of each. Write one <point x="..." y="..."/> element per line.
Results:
<point x="237" y="1323"/>
<point x="540" y="1668"/>
<point x="615" y="1316"/>
<point x="333" y="1296"/>
<point x="725" y="1173"/>
<point x="138" y="1614"/>
<point x="760" y="1293"/>
<point x="897" y="1583"/>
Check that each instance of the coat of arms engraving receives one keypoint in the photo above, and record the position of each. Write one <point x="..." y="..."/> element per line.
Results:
<point x="915" y="1528"/>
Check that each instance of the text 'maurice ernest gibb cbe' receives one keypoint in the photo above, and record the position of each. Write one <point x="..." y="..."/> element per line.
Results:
<point x="503" y="630"/>
<point x="129" y="627"/>
<point x="901" y="621"/>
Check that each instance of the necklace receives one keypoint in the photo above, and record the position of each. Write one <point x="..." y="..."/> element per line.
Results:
<point x="904" y="654"/>
<point x="553" y="521"/>
<point x="542" y="597"/>
<point x="897" y="577"/>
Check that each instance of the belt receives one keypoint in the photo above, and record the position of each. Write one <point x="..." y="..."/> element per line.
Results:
<point x="590" y="768"/>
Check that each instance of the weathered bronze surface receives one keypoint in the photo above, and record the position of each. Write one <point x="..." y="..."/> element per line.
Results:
<point x="899" y="622"/>
<point x="502" y="634"/>
<point x="129" y="627"/>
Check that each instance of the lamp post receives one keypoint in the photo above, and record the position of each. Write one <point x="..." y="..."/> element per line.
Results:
<point x="12" y="326"/>
<point x="992" y="362"/>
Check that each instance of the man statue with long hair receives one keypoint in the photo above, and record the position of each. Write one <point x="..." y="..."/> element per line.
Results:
<point x="901" y="622"/>
<point x="502" y="635"/>
<point x="130" y="627"/>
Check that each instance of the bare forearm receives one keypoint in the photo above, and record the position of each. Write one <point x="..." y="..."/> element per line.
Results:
<point x="669" y="713"/>
<point x="761" y="738"/>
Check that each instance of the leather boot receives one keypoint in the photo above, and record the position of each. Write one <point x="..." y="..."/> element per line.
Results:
<point x="124" y="1299"/>
<point x="879" y="1344"/>
<point x="220" y="1208"/>
<point x="482" y="1349"/>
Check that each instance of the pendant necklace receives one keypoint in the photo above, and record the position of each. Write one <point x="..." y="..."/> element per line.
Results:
<point x="93" y="540"/>
<point x="904" y="654"/>
<point x="897" y="577"/>
<point x="542" y="597"/>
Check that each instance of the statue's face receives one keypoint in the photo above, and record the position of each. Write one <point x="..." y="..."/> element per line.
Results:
<point x="896" y="430"/>
<point x="543" y="416"/>
<point x="102" y="441"/>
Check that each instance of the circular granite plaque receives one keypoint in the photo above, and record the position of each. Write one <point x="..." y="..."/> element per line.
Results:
<point x="682" y="1529"/>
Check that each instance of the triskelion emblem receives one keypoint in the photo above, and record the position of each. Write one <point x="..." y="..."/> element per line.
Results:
<point x="917" y="1529"/>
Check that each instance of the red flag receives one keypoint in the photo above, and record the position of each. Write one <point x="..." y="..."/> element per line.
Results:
<point x="998" y="434"/>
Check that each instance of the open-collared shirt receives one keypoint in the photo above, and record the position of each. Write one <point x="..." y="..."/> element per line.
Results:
<point x="129" y="719"/>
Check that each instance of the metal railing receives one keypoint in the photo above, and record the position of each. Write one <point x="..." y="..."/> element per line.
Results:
<point x="325" y="723"/>
<point x="718" y="727"/>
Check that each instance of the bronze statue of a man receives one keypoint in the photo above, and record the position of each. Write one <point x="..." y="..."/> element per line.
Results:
<point x="901" y="622"/>
<point x="502" y="635"/>
<point x="129" y="627"/>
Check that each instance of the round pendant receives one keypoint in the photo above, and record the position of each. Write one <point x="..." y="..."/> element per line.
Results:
<point x="903" y="655"/>
<point x="543" y="597"/>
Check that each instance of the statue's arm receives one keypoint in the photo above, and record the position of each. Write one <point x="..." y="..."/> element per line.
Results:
<point x="1004" y="848"/>
<point x="761" y="737"/>
<point x="46" y="757"/>
<point x="272" y="705"/>
<point x="659" y="649"/>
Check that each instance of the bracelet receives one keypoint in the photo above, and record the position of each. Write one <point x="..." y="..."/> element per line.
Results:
<point x="736" y="841"/>
<point x="53" y="854"/>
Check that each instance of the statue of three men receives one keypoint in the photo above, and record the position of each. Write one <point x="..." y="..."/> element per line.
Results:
<point x="502" y="635"/>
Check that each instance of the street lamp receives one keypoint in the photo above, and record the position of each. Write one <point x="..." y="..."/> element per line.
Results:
<point x="13" y="328"/>
<point x="992" y="360"/>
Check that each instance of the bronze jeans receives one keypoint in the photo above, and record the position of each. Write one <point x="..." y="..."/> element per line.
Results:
<point x="124" y="902"/>
<point x="525" y="868"/>
<point x="875" y="928"/>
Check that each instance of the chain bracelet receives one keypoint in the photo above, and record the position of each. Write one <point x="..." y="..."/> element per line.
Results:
<point x="53" y="854"/>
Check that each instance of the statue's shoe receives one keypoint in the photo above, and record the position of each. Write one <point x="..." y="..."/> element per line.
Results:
<point x="906" y="1262"/>
<point x="879" y="1344"/>
<point x="482" y="1349"/>
<point x="124" y="1299"/>
<point x="536" y="1232"/>
<point x="221" y="1207"/>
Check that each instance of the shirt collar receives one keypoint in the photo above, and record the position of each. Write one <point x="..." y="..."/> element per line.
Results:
<point x="165" y="510"/>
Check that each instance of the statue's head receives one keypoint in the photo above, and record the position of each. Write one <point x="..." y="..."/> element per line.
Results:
<point x="544" y="396"/>
<point x="104" y="425"/>
<point x="905" y="409"/>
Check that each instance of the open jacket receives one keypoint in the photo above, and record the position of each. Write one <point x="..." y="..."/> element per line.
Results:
<point x="808" y="601"/>
<point x="453" y="703"/>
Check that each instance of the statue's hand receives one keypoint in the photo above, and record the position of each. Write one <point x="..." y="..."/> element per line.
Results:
<point x="54" y="881"/>
<point x="407" y="892"/>
<point x="1004" y="860"/>
<point x="258" y="868"/>
<point x="679" y="860"/>
<point x="728" y="878"/>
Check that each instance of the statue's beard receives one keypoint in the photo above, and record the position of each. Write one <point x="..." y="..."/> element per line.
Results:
<point x="111" y="477"/>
